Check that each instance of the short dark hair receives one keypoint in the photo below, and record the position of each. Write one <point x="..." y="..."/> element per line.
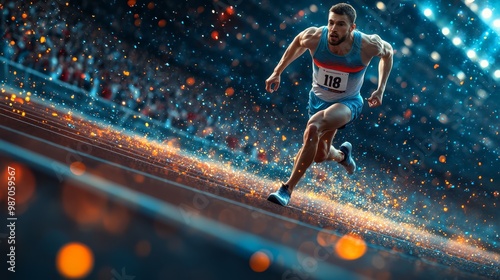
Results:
<point x="344" y="9"/>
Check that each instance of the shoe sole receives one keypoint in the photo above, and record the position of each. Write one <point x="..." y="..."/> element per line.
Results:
<point x="273" y="199"/>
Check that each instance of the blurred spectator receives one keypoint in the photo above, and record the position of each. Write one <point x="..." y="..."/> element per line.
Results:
<point x="77" y="51"/>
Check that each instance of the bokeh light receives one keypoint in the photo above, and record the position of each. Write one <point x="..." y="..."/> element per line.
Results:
<point x="259" y="261"/>
<point x="471" y="54"/>
<point x="200" y="73"/>
<point x="496" y="23"/>
<point x="486" y="13"/>
<point x="484" y="63"/>
<point x="457" y="41"/>
<point x="77" y="168"/>
<point x="190" y="81"/>
<point x="229" y="91"/>
<point x="350" y="247"/>
<point x="162" y="23"/>
<point x="74" y="260"/>
<point x="445" y="31"/>
<point x="25" y="183"/>
<point x="82" y="206"/>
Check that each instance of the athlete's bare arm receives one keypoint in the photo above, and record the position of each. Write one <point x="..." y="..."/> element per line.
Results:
<point x="373" y="45"/>
<point x="305" y="40"/>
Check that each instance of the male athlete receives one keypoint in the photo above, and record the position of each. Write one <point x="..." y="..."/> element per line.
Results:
<point x="340" y="56"/>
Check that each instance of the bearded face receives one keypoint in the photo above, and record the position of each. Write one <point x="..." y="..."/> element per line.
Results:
<point x="339" y="28"/>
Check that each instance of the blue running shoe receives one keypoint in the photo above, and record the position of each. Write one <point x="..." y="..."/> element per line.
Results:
<point x="348" y="162"/>
<point x="281" y="197"/>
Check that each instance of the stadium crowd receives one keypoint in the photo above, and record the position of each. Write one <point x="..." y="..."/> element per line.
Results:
<point x="63" y="43"/>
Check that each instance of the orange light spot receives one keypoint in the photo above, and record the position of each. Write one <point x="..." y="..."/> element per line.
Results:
<point x="442" y="159"/>
<point x="259" y="262"/>
<point x="151" y="5"/>
<point x="215" y="35"/>
<point x="74" y="260"/>
<point x="162" y="23"/>
<point x="229" y="91"/>
<point x="131" y="3"/>
<point x="24" y="15"/>
<point x="350" y="247"/>
<point x="230" y="10"/>
<point x="408" y="114"/>
<point x="82" y="206"/>
<point x="42" y="39"/>
<point x="190" y="81"/>
<point x="77" y="168"/>
<point x="116" y="219"/>
<point x="24" y="180"/>
<point x="138" y="178"/>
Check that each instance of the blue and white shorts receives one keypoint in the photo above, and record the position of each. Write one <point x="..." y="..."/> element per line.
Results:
<point x="355" y="103"/>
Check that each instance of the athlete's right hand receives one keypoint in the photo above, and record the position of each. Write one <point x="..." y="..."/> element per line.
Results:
<point x="273" y="82"/>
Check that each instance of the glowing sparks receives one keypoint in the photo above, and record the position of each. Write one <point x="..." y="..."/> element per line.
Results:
<point x="347" y="203"/>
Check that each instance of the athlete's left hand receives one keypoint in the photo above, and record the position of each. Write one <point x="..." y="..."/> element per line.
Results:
<point x="375" y="99"/>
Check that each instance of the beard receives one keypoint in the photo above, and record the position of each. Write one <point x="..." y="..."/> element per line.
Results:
<point x="339" y="40"/>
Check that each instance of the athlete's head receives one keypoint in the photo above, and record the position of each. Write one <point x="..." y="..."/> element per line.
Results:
<point x="340" y="23"/>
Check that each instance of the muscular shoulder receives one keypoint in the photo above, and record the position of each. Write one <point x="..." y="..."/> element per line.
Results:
<point x="309" y="38"/>
<point x="373" y="45"/>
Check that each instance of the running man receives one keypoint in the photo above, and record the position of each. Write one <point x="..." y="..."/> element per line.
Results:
<point x="340" y="56"/>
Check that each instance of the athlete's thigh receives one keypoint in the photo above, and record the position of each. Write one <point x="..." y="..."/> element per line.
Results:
<point x="335" y="117"/>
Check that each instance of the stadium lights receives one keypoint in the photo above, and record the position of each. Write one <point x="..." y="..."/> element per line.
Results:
<point x="381" y="6"/>
<point x="457" y="41"/>
<point x="497" y="74"/>
<point x="472" y="54"/>
<point x="446" y="31"/>
<point x="486" y="13"/>
<point x="484" y="63"/>
<point x="435" y="56"/>
<point x="428" y="12"/>
<point x="496" y="23"/>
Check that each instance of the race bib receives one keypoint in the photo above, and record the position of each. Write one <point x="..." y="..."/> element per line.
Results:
<point x="332" y="79"/>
